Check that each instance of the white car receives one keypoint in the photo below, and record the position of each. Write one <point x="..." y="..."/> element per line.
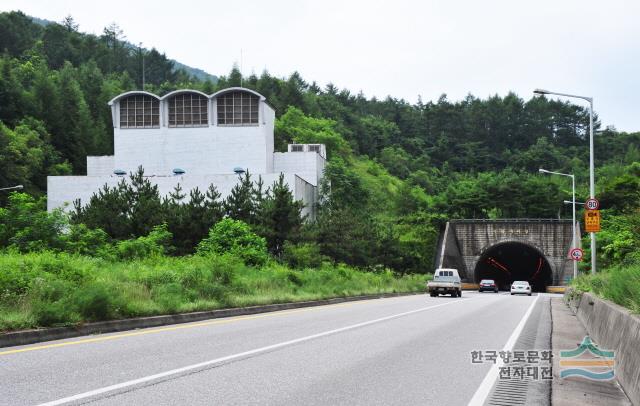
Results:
<point x="521" y="287"/>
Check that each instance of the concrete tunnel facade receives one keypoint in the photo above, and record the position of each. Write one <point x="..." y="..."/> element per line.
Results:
<point x="508" y="249"/>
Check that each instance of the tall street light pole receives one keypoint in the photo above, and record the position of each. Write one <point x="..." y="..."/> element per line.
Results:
<point x="592" y="187"/>
<point x="573" y="202"/>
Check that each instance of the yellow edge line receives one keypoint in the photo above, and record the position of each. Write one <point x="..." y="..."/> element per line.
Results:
<point x="179" y="327"/>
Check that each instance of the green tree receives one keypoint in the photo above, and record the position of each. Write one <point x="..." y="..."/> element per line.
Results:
<point x="280" y="217"/>
<point x="348" y="236"/>
<point x="129" y="209"/>
<point x="295" y="127"/>
<point x="17" y="32"/>
<point x="26" y="157"/>
<point x="144" y="206"/>
<point x="26" y="225"/>
<point x="235" y="237"/>
<point x="12" y="102"/>
<point x="189" y="222"/>
<point x="241" y="202"/>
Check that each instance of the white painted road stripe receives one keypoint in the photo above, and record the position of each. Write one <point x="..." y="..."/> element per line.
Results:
<point x="485" y="387"/>
<point x="177" y="371"/>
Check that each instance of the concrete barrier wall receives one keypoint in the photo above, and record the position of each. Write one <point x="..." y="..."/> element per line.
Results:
<point x="612" y="327"/>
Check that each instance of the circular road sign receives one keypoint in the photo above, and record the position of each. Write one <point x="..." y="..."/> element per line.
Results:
<point x="592" y="204"/>
<point x="576" y="254"/>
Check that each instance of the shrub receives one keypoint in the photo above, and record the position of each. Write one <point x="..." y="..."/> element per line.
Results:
<point x="45" y="288"/>
<point x="169" y="296"/>
<point x="619" y="284"/>
<point x="50" y="303"/>
<point x="235" y="237"/>
<point x="157" y="242"/>
<point x="26" y="225"/>
<point x="85" y="241"/>
<point x="305" y="255"/>
<point x="47" y="314"/>
<point x="94" y="302"/>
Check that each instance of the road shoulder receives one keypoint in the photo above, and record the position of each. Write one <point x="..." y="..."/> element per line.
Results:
<point x="568" y="333"/>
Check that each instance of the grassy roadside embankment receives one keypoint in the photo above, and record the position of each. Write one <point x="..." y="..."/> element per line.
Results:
<point x="53" y="289"/>
<point x="619" y="284"/>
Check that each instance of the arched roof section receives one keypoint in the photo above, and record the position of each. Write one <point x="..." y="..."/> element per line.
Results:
<point x="132" y="93"/>
<point x="237" y="89"/>
<point x="182" y="91"/>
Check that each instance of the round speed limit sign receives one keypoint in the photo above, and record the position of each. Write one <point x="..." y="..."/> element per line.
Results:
<point x="576" y="254"/>
<point x="592" y="204"/>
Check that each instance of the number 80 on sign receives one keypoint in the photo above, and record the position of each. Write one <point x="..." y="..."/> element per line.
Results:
<point x="592" y="204"/>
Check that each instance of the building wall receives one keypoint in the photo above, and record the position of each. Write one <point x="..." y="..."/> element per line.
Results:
<point x="269" y="116"/>
<point x="198" y="151"/>
<point x="100" y="165"/>
<point x="64" y="190"/>
<point x="308" y="165"/>
<point x="308" y="194"/>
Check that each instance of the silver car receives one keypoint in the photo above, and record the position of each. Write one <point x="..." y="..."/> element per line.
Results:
<point x="521" y="287"/>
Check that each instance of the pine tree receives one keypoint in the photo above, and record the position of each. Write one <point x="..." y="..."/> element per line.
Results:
<point x="214" y="205"/>
<point x="240" y="204"/>
<point x="280" y="216"/>
<point x="144" y="207"/>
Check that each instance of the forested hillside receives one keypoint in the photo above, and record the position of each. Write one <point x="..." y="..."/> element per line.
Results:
<point x="397" y="170"/>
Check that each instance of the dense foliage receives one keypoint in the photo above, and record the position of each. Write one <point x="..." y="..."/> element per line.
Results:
<point x="45" y="288"/>
<point x="396" y="170"/>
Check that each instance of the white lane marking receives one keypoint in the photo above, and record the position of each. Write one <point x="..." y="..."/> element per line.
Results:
<point x="165" y="374"/>
<point x="485" y="387"/>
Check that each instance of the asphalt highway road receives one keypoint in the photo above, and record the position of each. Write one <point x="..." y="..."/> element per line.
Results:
<point x="403" y="350"/>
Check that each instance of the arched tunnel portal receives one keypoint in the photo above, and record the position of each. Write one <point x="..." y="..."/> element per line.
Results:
<point x="514" y="261"/>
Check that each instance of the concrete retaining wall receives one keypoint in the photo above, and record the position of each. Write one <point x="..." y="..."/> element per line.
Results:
<point x="612" y="327"/>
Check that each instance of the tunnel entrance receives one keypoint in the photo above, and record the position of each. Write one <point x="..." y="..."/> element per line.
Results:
<point x="514" y="261"/>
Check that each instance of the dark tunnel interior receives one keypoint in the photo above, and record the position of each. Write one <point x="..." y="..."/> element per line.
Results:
<point x="514" y="261"/>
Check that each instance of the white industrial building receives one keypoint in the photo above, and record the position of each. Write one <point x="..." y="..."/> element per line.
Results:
<point x="196" y="140"/>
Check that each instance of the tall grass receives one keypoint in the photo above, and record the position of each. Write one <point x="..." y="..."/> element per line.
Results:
<point x="620" y="284"/>
<point x="50" y="289"/>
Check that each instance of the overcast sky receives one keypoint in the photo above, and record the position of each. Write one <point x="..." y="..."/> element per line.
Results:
<point x="399" y="48"/>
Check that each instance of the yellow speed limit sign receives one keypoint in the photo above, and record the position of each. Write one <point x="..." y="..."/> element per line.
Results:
<point x="592" y="221"/>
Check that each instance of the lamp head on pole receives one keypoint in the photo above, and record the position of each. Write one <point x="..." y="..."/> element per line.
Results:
<point x="543" y="170"/>
<point x="541" y="91"/>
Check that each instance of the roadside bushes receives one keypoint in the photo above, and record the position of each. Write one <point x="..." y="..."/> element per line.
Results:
<point x="303" y="255"/>
<point x="157" y="242"/>
<point x="26" y="226"/>
<point x="83" y="240"/>
<point x="235" y="237"/>
<point x="619" y="284"/>
<point x="49" y="289"/>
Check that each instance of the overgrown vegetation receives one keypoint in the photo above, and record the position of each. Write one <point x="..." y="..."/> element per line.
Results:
<point x="620" y="284"/>
<point x="48" y="289"/>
